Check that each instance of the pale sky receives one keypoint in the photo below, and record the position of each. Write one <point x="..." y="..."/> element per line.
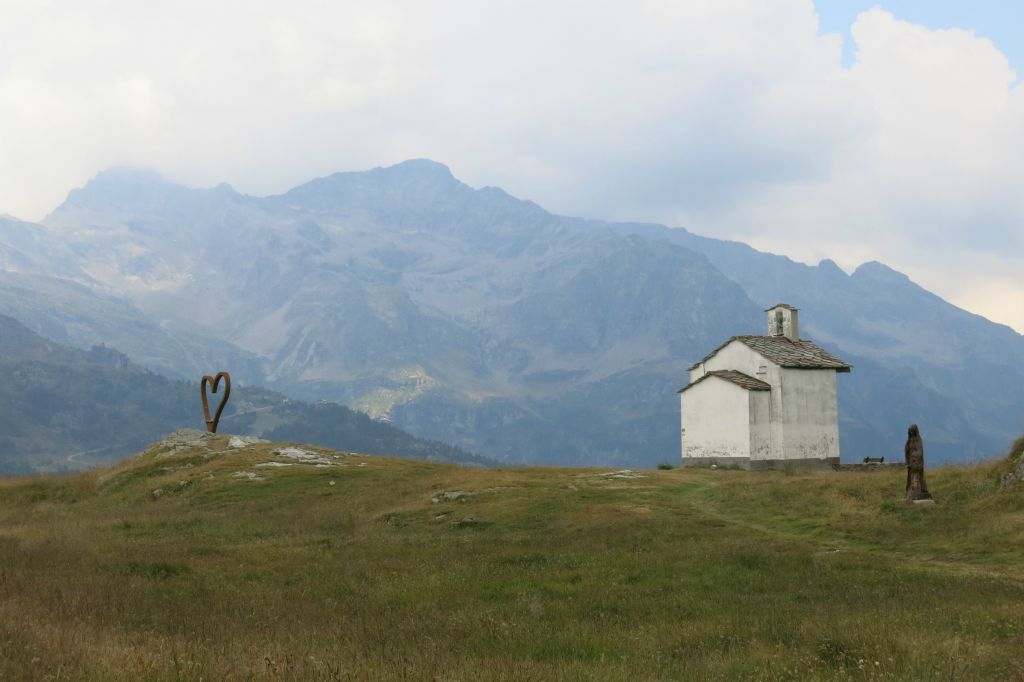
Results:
<point x="838" y="129"/>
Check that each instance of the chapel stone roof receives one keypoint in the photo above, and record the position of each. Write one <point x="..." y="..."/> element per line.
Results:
<point x="739" y="378"/>
<point x="786" y="353"/>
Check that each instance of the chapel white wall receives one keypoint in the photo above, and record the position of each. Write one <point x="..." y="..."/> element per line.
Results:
<point x="716" y="420"/>
<point x="760" y="425"/>
<point x="767" y="440"/>
<point x="809" y="414"/>
<point x="740" y="357"/>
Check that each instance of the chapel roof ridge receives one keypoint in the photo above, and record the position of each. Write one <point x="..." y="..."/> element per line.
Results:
<point x="799" y="354"/>
<point x="744" y="381"/>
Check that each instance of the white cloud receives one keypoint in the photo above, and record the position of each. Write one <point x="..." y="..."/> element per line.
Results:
<point x="930" y="183"/>
<point x="733" y="117"/>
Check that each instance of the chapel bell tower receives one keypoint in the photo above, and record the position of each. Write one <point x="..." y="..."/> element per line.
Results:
<point x="782" y="321"/>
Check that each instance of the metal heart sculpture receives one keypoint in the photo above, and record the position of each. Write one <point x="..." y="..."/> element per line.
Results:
<point x="214" y="381"/>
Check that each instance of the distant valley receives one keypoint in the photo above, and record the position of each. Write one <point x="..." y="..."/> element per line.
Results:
<point x="472" y="317"/>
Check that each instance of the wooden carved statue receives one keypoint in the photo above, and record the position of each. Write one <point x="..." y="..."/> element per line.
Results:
<point x="914" y="454"/>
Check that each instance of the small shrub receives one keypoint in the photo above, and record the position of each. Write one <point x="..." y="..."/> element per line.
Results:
<point x="751" y="562"/>
<point x="524" y="560"/>
<point x="158" y="570"/>
<point x="471" y="523"/>
<point x="665" y="466"/>
<point x="836" y="653"/>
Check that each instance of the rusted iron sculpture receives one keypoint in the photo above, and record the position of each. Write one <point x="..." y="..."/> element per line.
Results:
<point x="214" y="381"/>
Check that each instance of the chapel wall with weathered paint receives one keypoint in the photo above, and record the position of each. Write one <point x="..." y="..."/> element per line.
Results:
<point x="740" y="357"/>
<point x="760" y="425"/>
<point x="715" y="420"/>
<point x="809" y="414"/>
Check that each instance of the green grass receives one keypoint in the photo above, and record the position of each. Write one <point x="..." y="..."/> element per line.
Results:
<point x="546" y="574"/>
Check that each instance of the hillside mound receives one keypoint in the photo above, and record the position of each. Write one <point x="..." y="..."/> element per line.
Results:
<point x="222" y="557"/>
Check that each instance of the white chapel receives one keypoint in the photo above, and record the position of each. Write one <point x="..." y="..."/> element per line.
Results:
<point x="763" y="402"/>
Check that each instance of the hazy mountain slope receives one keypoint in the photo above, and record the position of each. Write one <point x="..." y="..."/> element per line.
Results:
<point x="470" y="316"/>
<point x="67" y="408"/>
<point x="27" y="247"/>
<point x="877" y="402"/>
<point x="629" y="418"/>
<point x="74" y="314"/>
<point x="62" y="406"/>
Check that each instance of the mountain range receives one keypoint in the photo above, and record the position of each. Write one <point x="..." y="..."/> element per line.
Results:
<point x="475" y="318"/>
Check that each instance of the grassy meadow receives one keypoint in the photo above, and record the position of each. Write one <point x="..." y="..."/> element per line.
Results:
<point x="387" y="569"/>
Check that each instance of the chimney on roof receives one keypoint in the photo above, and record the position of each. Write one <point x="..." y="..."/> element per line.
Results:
<point x="782" y="321"/>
